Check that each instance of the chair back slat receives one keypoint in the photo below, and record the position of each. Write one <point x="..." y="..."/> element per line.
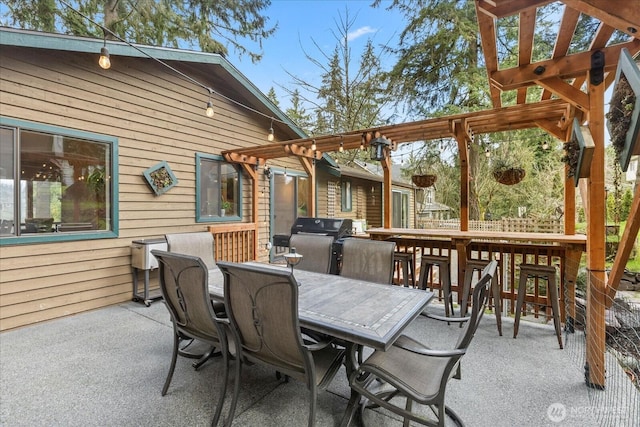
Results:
<point x="262" y="305"/>
<point x="370" y="260"/>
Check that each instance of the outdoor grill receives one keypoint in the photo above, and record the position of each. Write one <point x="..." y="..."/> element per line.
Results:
<point x="337" y="228"/>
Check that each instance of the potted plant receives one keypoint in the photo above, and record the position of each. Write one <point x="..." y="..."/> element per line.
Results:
<point x="624" y="110"/>
<point x="160" y="178"/>
<point x="224" y="206"/>
<point x="506" y="171"/>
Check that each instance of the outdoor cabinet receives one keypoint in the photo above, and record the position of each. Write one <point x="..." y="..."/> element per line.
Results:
<point x="143" y="259"/>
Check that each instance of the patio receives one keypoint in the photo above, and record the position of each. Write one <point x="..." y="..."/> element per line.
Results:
<point x="107" y="367"/>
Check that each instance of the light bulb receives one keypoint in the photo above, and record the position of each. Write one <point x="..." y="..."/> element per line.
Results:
<point x="313" y="145"/>
<point x="341" y="149"/>
<point x="545" y="145"/>
<point x="104" y="60"/>
<point x="270" y="136"/>
<point x="210" y="111"/>
<point x="487" y="153"/>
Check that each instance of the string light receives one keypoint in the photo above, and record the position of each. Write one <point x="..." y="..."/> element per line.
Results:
<point x="341" y="149"/>
<point x="104" y="61"/>
<point x="270" y="136"/>
<point x="362" y="140"/>
<point x="313" y="145"/>
<point x="545" y="144"/>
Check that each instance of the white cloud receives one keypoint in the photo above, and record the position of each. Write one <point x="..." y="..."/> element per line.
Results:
<point x="360" y="32"/>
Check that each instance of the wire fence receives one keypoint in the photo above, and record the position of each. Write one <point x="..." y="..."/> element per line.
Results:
<point x="617" y="401"/>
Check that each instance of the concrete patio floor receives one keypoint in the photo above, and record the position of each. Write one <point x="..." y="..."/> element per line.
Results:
<point x="107" y="368"/>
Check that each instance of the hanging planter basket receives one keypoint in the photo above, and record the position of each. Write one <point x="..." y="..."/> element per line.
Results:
<point x="623" y="118"/>
<point x="424" y="180"/>
<point x="160" y="178"/>
<point x="509" y="176"/>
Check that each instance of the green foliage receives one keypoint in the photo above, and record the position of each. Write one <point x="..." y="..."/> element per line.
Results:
<point x="203" y="25"/>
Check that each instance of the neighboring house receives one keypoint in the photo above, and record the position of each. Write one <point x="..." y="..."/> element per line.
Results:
<point x="75" y="140"/>
<point x="355" y="191"/>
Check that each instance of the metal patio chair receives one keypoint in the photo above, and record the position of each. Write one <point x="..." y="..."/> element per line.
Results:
<point x="370" y="260"/>
<point x="184" y="286"/>
<point x="262" y="305"/>
<point x="416" y="373"/>
<point x="316" y="251"/>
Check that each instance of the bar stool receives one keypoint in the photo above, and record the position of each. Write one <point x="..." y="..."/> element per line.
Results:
<point x="473" y="266"/>
<point x="545" y="272"/>
<point x="444" y="267"/>
<point x="403" y="261"/>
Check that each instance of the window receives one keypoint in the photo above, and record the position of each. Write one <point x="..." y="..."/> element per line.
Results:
<point x="346" y="196"/>
<point x="218" y="189"/>
<point x="55" y="183"/>
<point x="400" y="201"/>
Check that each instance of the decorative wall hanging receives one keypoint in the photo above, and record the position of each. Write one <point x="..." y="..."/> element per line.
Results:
<point x="160" y="178"/>
<point x="623" y="121"/>
<point x="579" y="152"/>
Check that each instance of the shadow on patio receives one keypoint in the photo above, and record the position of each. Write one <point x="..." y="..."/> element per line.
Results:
<point x="107" y="367"/>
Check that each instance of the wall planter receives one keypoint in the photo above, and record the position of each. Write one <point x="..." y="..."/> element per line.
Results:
<point x="623" y="121"/>
<point x="578" y="152"/>
<point x="424" y="181"/>
<point x="160" y="178"/>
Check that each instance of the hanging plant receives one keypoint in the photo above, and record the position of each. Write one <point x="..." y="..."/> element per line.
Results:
<point x="624" y="110"/>
<point x="424" y="181"/>
<point x="506" y="172"/>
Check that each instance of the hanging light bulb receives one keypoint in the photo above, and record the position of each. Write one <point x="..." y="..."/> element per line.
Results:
<point x="104" y="61"/>
<point x="545" y="144"/>
<point x="209" y="112"/>
<point x="362" y="140"/>
<point x="341" y="149"/>
<point x="270" y="136"/>
<point x="487" y="153"/>
<point x="313" y="145"/>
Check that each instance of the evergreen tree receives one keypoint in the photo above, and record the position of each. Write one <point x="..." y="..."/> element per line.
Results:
<point x="202" y="25"/>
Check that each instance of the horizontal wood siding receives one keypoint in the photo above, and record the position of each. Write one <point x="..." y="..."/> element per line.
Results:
<point x="156" y="115"/>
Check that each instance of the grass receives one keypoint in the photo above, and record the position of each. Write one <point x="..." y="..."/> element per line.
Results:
<point x="633" y="263"/>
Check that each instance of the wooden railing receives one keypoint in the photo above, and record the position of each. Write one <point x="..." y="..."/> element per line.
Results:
<point x="235" y="242"/>
<point x="520" y="225"/>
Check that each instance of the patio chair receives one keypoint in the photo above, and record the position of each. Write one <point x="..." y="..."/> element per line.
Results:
<point x="411" y="372"/>
<point x="370" y="260"/>
<point x="262" y="305"/>
<point x="199" y="244"/>
<point x="316" y="251"/>
<point x="184" y="287"/>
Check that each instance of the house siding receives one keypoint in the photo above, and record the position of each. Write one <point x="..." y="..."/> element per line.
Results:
<point x="156" y="115"/>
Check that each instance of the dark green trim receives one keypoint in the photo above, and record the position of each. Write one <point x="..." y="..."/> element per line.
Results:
<point x="216" y="219"/>
<point x="74" y="133"/>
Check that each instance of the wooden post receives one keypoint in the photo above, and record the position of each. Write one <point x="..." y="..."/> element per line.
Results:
<point x="253" y="174"/>
<point x="461" y="137"/>
<point x="386" y="190"/>
<point x="596" y="289"/>
<point x="310" y="167"/>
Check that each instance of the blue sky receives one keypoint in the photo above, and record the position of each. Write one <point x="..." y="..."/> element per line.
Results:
<point x="300" y="23"/>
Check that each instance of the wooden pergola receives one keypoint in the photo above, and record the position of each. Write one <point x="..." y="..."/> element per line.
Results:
<point x="573" y="86"/>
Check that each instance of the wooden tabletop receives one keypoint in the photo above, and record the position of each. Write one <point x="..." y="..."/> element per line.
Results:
<point x="563" y="239"/>
<point x="356" y="311"/>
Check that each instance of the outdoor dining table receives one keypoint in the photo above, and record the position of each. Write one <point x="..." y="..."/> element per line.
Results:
<point x="356" y="312"/>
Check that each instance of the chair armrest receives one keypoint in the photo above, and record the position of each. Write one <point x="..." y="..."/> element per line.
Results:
<point x="315" y="346"/>
<point x="429" y="352"/>
<point x="448" y="319"/>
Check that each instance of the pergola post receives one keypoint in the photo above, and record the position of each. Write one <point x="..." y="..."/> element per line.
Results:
<point x="386" y="190"/>
<point x="596" y="287"/>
